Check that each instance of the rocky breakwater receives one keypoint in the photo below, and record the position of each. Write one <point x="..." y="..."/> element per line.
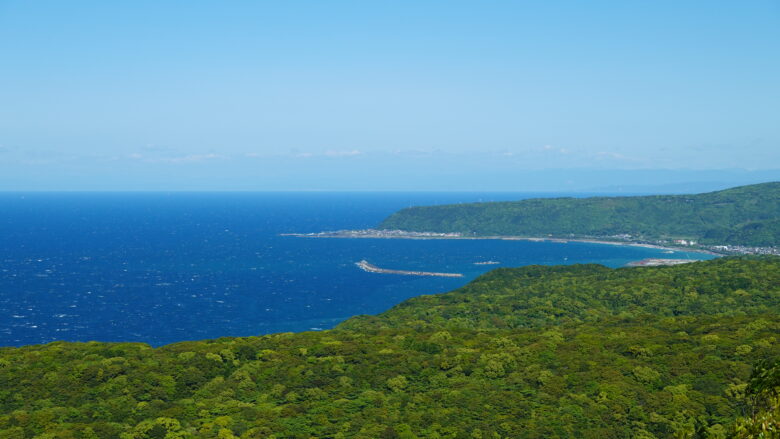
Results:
<point x="366" y="266"/>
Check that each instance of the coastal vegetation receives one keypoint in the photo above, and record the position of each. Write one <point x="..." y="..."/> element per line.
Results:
<point x="746" y="215"/>
<point x="686" y="351"/>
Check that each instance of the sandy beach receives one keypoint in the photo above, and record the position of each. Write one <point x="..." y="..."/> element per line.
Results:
<point x="398" y="234"/>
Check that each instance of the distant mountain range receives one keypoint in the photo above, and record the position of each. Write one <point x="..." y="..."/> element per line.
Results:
<point x="745" y="215"/>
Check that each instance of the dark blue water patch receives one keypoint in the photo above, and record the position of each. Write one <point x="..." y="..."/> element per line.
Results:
<point x="160" y="268"/>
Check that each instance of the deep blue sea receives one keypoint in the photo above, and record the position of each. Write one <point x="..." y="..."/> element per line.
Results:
<point x="160" y="268"/>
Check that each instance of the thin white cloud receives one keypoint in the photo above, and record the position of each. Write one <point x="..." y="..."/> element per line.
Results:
<point x="343" y="153"/>
<point x="195" y="158"/>
<point x="612" y="155"/>
<point x="615" y="157"/>
<point x="329" y="153"/>
<point x="415" y="152"/>
<point x="189" y="158"/>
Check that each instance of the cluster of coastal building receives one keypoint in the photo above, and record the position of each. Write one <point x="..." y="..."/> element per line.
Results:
<point x="694" y="245"/>
<point x="744" y="250"/>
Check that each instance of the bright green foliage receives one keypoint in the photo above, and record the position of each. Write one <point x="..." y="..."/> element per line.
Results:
<point x="746" y="215"/>
<point x="641" y="352"/>
<point x="537" y="295"/>
<point x="763" y="396"/>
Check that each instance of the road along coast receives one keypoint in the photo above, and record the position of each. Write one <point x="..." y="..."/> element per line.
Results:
<point x="402" y="234"/>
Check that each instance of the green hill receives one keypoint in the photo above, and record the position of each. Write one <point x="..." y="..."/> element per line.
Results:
<point x="535" y="352"/>
<point x="538" y="296"/>
<point x="746" y="215"/>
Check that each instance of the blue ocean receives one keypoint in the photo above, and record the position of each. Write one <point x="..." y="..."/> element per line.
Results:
<point x="160" y="268"/>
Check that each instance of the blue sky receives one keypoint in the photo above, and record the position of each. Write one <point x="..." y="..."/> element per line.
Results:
<point x="417" y="95"/>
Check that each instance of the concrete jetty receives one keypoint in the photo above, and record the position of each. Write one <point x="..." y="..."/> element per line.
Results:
<point x="366" y="266"/>
<point x="657" y="262"/>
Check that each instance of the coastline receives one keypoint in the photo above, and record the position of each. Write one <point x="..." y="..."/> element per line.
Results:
<point x="381" y="234"/>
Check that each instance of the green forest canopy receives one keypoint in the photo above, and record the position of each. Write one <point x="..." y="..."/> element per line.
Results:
<point x="746" y="215"/>
<point x="537" y="352"/>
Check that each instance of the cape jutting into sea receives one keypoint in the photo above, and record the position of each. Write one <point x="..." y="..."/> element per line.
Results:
<point x="160" y="268"/>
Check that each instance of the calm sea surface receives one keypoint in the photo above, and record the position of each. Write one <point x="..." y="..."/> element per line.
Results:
<point x="160" y="268"/>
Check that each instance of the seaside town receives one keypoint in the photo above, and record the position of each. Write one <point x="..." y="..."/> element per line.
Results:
<point x="694" y="245"/>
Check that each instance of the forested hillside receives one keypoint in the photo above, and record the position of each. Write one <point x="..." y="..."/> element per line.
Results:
<point x="747" y="215"/>
<point x="537" y="296"/>
<point x="536" y="352"/>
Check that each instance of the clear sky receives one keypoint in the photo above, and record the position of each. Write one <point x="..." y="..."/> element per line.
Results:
<point x="364" y="95"/>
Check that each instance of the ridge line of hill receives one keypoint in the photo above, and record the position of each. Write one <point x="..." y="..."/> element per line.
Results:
<point x="745" y="216"/>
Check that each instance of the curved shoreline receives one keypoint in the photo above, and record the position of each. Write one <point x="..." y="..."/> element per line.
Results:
<point x="397" y="234"/>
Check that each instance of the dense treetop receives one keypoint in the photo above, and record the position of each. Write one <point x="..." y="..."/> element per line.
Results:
<point x="746" y="215"/>
<point x="537" y="296"/>
<point x="537" y="352"/>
